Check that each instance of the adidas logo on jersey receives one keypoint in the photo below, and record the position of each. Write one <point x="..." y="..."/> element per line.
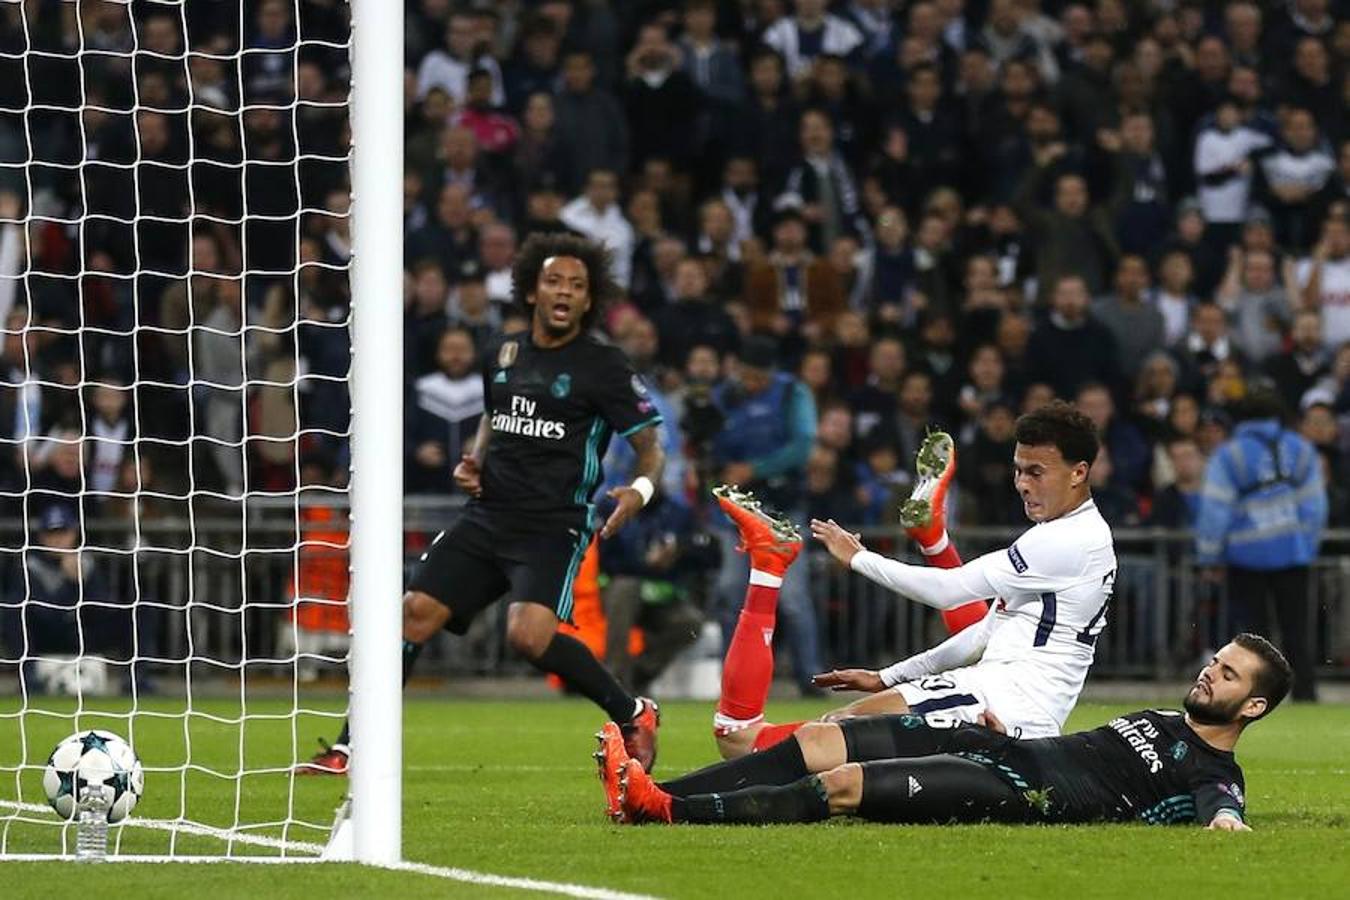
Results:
<point x="914" y="786"/>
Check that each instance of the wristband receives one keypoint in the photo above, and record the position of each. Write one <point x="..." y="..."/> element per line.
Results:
<point x="643" y="485"/>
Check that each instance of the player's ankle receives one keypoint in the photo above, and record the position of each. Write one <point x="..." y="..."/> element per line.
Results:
<point x="765" y="577"/>
<point x="933" y="544"/>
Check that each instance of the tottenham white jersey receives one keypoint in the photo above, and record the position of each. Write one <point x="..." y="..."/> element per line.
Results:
<point x="1052" y="588"/>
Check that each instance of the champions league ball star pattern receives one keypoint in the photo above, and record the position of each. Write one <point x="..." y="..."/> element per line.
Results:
<point x="89" y="759"/>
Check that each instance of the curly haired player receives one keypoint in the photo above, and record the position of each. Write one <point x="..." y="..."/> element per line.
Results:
<point x="554" y="398"/>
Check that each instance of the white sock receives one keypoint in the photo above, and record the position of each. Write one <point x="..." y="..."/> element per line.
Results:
<point x="937" y="546"/>
<point x="765" y="579"/>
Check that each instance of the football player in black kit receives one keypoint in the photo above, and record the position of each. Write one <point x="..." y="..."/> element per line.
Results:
<point x="555" y="396"/>
<point x="1154" y="766"/>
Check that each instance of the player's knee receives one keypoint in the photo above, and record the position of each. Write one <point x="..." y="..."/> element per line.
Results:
<point x="423" y="616"/>
<point x="821" y="742"/>
<point x="527" y="638"/>
<point x="843" y="787"/>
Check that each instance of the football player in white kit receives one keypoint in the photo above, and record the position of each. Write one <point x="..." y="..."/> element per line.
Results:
<point x="1027" y="659"/>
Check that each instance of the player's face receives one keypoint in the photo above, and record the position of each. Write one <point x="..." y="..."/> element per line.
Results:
<point x="562" y="295"/>
<point x="1223" y="691"/>
<point x="1045" y="481"/>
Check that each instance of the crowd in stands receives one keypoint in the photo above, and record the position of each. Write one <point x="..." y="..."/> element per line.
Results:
<point x="935" y="214"/>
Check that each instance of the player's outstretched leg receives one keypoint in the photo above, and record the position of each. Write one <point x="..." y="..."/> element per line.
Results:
<point x="924" y="517"/>
<point x="931" y="789"/>
<point x="773" y="543"/>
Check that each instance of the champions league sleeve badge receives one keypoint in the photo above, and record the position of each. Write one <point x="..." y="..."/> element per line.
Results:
<point x="506" y="356"/>
<point x="638" y="387"/>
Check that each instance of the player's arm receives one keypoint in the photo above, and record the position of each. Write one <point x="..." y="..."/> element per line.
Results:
<point x="961" y="649"/>
<point x="1220" y="805"/>
<point x="469" y="471"/>
<point x="651" y="460"/>
<point x="938" y="588"/>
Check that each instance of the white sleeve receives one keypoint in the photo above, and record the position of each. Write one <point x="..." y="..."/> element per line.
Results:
<point x="961" y="649"/>
<point x="1209" y="155"/>
<point x="1303" y="271"/>
<point x="939" y="588"/>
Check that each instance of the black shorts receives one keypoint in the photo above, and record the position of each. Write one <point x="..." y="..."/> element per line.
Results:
<point x="486" y="555"/>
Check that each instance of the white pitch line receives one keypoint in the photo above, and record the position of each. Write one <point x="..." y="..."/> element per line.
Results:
<point x="465" y="876"/>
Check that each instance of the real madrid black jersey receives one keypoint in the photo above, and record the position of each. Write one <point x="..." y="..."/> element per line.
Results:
<point x="1146" y="766"/>
<point x="553" y="412"/>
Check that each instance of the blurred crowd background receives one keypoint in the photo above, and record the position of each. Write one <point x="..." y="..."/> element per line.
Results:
<point x="838" y="225"/>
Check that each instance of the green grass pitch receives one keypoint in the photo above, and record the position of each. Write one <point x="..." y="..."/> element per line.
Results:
<point x="509" y="788"/>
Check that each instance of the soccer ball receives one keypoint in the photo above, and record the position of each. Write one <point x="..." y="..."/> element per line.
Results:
<point x="93" y="759"/>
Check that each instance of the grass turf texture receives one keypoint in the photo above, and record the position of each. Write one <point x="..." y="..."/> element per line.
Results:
<point x="509" y="788"/>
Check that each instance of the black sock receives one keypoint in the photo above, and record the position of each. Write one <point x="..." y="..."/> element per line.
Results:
<point x="802" y="801"/>
<point x="781" y="764"/>
<point x="411" y="650"/>
<point x="569" y="659"/>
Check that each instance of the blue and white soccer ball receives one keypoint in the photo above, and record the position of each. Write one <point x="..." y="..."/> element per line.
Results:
<point x="93" y="758"/>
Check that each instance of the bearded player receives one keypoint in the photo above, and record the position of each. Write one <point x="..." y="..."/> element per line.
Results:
<point x="1026" y="656"/>
<point x="1152" y="766"/>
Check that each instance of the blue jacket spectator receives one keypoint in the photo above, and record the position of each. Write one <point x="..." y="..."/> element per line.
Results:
<point x="769" y="429"/>
<point x="1264" y="504"/>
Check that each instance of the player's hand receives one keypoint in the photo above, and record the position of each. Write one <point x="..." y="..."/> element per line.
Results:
<point x="991" y="721"/>
<point x="1227" y="823"/>
<point x="468" y="476"/>
<point x="850" y="680"/>
<point x="627" y="502"/>
<point x="843" y="545"/>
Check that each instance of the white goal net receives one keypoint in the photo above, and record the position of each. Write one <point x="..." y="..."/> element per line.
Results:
<point x="174" y="411"/>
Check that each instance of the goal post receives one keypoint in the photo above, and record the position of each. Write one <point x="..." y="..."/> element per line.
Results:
<point x="201" y="416"/>
<point x="377" y="430"/>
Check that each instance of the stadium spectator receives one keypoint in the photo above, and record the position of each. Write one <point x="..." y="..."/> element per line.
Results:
<point x="1134" y="322"/>
<point x="810" y="32"/>
<point x="443" y="415"/>
<point x="1304" y="363"/>
<point x="764" y="444"/>
<point x="1178" y="504"/>
<point x="1069" y="348"/>
<point x="1262" y="511"/>
<point x="596" y="214"/>
<point x="1324" y="278"/>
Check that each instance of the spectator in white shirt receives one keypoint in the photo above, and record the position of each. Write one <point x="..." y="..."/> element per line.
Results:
<point x="448" y="69"/>
<point x="1292" y="175"/>
<point x="800" y="38"/>
<point x="1224" y="169"/>
<point x="596" y="214"/>
<point x="1324" y="279"/>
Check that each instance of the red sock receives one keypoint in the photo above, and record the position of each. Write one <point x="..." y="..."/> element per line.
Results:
<point x="962" y="616"/>
<point x="774" y="734"/>
<point x="747" y="671"/>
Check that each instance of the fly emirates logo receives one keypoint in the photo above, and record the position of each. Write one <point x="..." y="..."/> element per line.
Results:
<point x="521" y="420"/>
<point x="1140" y="734"/>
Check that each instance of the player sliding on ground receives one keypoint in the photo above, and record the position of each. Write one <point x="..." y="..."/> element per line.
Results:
<point x="554" y="396"/>
<point x="1154" y="766"/>
<point x="1026" y="657"/>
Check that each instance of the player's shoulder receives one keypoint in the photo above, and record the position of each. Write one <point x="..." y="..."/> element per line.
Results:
<point x="600" y="350"/>
<point x="1081" y="529"/>
<point x="1064" y="545"/>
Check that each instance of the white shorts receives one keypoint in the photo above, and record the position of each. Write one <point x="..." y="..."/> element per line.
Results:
<point x="961" y="695"/>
